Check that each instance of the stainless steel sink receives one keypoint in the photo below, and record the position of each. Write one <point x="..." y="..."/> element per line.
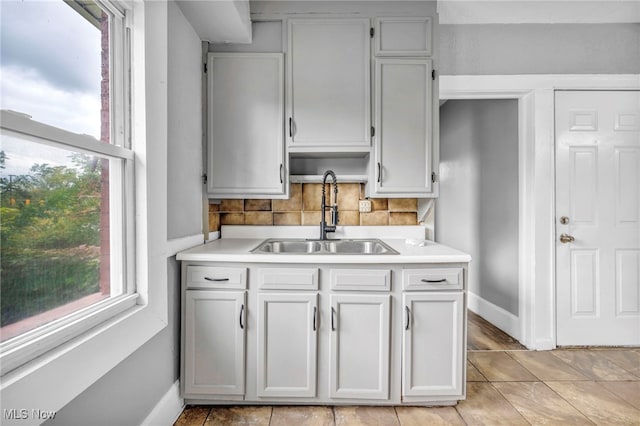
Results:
<point x="299" y="246"/>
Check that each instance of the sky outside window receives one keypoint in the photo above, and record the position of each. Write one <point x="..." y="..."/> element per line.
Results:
<point x="49" y="69"/>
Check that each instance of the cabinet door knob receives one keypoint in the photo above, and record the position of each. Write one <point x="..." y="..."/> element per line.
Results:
<point x="379" y="172"/>
<point x="425" y="280"/>
<point x="241" y="312"/>
<point x="290" y="127"/>
<point x="281" y="177"/>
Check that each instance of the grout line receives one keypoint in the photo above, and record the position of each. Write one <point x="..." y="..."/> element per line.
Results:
<point x="509" y="402"/>
<point x="569" y="402"/>
<point x="397" y="416"/>
<point x="523" y="366"/>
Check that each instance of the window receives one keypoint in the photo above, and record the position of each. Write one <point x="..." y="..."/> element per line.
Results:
<point x="66" y="173"/>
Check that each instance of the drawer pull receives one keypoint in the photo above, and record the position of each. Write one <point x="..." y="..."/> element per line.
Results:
<point x="408" y="312"/>
<point x="216" y="279"/>
<point x="241" y="312"/>
<point x="442" y="280"/>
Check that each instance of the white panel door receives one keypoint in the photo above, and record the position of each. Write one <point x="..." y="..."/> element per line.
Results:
<point x="359" y="346"/>
<point x="245" y="119"/>
<point x="214" y="342"/>
<point x="402" y="163"/>
<point x="432" y="344"/>
<point x="328" y="83"/>
<point x="598" y="217"/>
<point x="287" y="336"/>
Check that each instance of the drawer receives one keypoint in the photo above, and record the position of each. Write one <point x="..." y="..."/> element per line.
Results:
<point x="288" y="278"/>
<point x="403" y="36"/>
<point x="360" y="279"/>
<point x="433" y="279"/>
<point x="216" y="277"/>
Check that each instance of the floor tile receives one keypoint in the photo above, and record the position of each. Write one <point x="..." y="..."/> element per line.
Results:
<point x="249" y="415"/>
<point x="486" y="406"/>
<point x="500" y="367"/>
<point x="538" y="404"/>
<point x="545" y="366"/>
<point x="432" y="416"/>
<point x="593" y="364"/>
<point x="193" y="416"/>
<point x="302" y="416"/>
<point x="473" y="375"/>
<point x="597" y="403"/>
<point x="489" y="337"/>
<point x="629" y="391"/>
<point x="629" y="359"/>
<point x="365" y="416"/>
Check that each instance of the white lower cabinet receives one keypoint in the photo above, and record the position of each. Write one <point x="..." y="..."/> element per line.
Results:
<point x="287" y="336"/>
<point x="323" y="334"/>
<point x="359" y="366"/>
<point x="432" y="344"/>
<point x="214" y="342"/>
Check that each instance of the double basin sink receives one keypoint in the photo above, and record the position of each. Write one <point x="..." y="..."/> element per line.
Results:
<point x="301" y="246"/>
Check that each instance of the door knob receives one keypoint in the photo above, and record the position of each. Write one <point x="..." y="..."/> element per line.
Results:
<point x="564" y="238"/>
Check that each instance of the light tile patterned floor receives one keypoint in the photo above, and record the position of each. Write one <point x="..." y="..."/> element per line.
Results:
<point x="506" y="385"/>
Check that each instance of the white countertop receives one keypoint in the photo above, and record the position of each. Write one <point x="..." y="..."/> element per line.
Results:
<point x="236" y="247"/>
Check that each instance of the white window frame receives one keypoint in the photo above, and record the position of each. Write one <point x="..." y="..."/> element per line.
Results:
<point x="52" y="379"/>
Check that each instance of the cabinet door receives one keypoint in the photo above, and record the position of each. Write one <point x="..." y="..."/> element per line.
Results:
<point x="433" y="344"/>
<point x="328" y="83"/>
<point x="287" y="336"/>
<point x="246" y="140"/>
<point x="403" y="144"/>
<point x="214" y="342"/>
<point x="403" y="36"/>
<point x="359" y="346"/>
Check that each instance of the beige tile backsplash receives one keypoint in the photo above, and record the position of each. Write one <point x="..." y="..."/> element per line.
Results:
<point x="303" y="208"/>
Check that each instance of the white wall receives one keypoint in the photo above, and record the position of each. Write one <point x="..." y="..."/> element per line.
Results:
<point x="477" y="210"/>
<point x="184" y="150"/>
<point x="495" y="49"/>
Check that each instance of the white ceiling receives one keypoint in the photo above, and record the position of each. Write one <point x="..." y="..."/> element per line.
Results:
<point x="224" y="21"/>
<point x="538" y="11"/>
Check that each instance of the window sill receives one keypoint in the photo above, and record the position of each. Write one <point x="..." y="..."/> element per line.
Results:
<point x="77" y="364"/>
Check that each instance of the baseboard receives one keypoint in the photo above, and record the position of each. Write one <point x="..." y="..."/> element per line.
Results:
<point x="167" y="410"/>
<point x="496" y="315"/>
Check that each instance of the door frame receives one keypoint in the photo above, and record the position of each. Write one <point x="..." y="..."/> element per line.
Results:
<point x="535" y="326"/>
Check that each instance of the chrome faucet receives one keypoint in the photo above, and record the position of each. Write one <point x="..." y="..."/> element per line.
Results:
<point x="324" y="228"/>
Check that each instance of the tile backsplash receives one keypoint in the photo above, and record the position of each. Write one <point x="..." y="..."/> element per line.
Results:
<point x="303" y="208"/>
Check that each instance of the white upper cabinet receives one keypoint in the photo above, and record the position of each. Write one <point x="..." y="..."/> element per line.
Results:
<point x="328" y="85"/>
<point x="404" y="36"/>
<point x="404" y="155"/>
<point x="245" y="138"/>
